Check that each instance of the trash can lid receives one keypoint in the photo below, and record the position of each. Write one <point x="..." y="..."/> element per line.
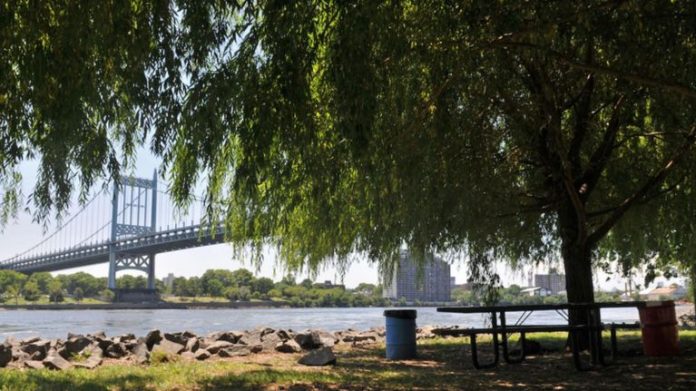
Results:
<point x="401" y="314"/>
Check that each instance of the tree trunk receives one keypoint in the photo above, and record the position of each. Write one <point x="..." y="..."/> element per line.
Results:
<point x="693" y="287"/>
<point x="577" y="260"/>
<point x="579" y="287"/>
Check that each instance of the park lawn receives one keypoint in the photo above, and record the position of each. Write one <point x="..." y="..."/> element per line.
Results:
<point x="440" y="366"/>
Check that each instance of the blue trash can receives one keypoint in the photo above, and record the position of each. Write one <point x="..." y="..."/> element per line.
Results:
<point x="401" y="334"/>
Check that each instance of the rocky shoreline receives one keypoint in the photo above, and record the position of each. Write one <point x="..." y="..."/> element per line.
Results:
<point x="92" y="350"/>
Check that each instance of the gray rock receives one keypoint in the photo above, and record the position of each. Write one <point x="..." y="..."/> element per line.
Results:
<point x="19" y="355"/>
<point x="308" y="340"/>
<point x="98" y="335"/>
<point x="33" y="364"/>
<point x="192" y="344"/>
<point x="270" y="341"/>
<point x="189" y="334"/>
<point x="5" y="354"/>
<point x="75" y="345"/>
<point x="141" y="354"/>
<point x="94" y="358"/>
<point x="318" y="357"/>
<point x="153" y="338"/>
<point x="216" y="346"/>
<point x="284" y="335"/>
<point x="235" y="351"/>
<point x="229" y="336"/>
<point x="38" y="345"/>
<point x="56" y="362"/>
<point x="128" y="337"/>
<point x="117" y="350"/>
<point x="168" y="347"/>
<point x="176" y="338"/>
<point x="29" y="340"/>
<point x="201" y="355"/>
<point x="252" y="338"/>
<point x="289" y="346"/>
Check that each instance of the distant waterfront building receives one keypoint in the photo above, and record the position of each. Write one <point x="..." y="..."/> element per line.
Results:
<point x="169" y="280"/>
<point x="434" y="284"/>
<point x="553" y="282"/>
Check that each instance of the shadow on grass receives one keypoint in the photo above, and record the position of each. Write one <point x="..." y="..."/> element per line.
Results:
<point x="442" y="364"/>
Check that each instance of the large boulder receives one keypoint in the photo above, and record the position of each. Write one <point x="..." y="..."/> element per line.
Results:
<point x="141" y="353"/>
<point x="37" y="349"/>
<point x="117" y="350"/>
<point x="201" y="355"/>
<point x="76" y="344"/>
<point x="289" y="346"/>
<point x="318" y="357"/>
<point x="270" y="341"/>
<point x="308" y="340"/>
<point x="216" y="346"/>
<point x="93" y="354"/>
<point x="251" y="338"/>
<point x="179" y="338"/>
<point x="314" y="339"/>
<point x="152" y="338"/>
<point x="5" y="354"/>
<point x="168" y="347"/>
<point x="229" y="336"/>
<point x="56" y="362"/>
<point x="192" y="344"/>
<point x="235" y="351"/>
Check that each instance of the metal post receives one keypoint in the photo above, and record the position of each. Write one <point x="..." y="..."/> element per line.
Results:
<point x="151" y="272"/>
<point x="112" y="247"/>
<point x="153" y="228"/>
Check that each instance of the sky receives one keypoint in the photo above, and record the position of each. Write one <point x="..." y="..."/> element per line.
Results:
<point x="22" y="233"/>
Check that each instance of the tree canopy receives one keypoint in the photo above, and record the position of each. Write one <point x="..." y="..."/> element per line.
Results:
<point x="512" y="130"/>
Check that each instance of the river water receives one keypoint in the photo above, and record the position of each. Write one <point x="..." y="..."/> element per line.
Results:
<point x="56" y="324"/>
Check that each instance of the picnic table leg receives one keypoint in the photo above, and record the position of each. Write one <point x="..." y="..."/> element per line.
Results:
<point x="506" y="354"/>
<point x="474" y="355"/>
<point x="614" y="344"/>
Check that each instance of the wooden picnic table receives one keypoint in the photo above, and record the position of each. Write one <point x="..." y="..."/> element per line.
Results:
<point x="499" y="326"/>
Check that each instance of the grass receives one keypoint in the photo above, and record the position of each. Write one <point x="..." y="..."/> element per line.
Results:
<point x="441" y="365"/>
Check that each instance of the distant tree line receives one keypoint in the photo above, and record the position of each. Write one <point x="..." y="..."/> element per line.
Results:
<point x="242" y="285"/>
<point x="237" y="285"/>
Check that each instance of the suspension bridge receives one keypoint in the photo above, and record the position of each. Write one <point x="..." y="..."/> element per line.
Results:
<point x="126" y="228"/>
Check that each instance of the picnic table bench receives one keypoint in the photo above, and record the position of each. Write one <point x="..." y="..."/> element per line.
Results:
<point x="593" y="329"/>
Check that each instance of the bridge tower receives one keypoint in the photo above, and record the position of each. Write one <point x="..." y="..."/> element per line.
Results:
<point x="134" y="213"/>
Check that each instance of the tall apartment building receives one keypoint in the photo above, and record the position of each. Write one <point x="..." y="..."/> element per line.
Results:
<point x="434" y="284"/>
<point x="552" y="282"/>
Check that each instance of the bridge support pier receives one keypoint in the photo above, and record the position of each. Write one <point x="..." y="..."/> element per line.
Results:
<point x="134" y="213"/>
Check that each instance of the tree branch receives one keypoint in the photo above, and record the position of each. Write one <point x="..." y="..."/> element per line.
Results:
<point x="600" y="156"/>
<point x="582" y="116"/>
<point x="645" y="199"/>
<point x="678" y="88"/>
<point x="654" y="181"/>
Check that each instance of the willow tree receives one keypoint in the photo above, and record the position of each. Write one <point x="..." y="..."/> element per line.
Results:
<point x="508" y="130"/>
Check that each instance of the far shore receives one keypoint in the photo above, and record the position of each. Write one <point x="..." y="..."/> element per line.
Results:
<point x="164" y="305"/>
